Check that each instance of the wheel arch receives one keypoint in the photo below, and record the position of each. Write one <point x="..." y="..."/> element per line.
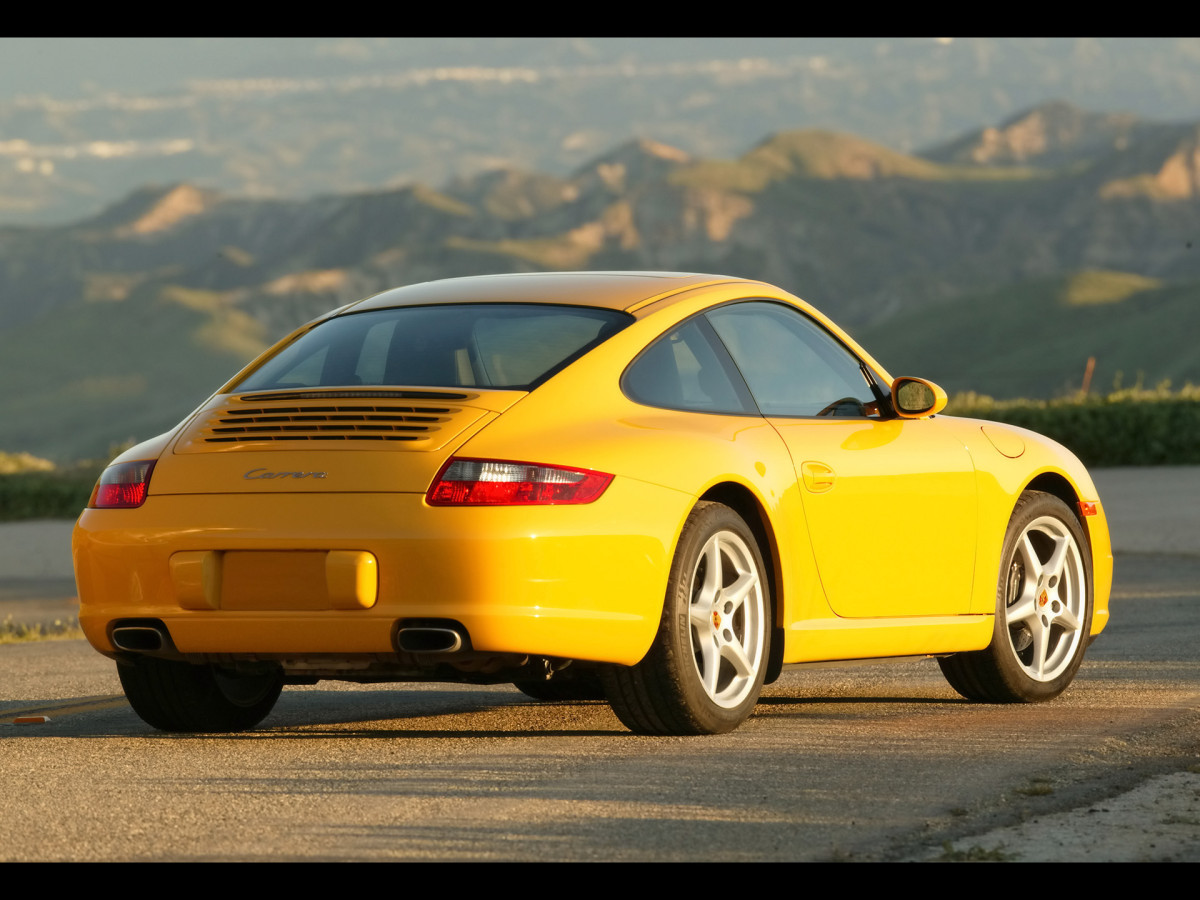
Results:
<point x="1095" y="533"/>
<point x="1056" y="484"/>
<point x="746" y="504"/>
<point x="1059" y="486"/>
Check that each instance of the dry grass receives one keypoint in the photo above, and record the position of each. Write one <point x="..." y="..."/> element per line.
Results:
<point x="18" y="632"/>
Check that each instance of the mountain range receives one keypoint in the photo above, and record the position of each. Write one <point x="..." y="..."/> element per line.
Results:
<point x="85" y="121"/>
<point x="998" y="262"/>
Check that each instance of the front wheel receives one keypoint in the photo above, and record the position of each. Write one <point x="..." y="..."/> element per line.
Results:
<point x="705" y="669"/>
<point x="179" y="696"/>
<point x="1043" y="610"/>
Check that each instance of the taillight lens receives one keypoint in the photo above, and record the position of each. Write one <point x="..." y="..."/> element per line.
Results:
<point x="122" y="485"/>
<point x="492" y="482"/>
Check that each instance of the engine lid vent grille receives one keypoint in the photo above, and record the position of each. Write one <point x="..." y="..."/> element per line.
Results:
<point x="318" y="420"/>
<point x="325" y="422"/>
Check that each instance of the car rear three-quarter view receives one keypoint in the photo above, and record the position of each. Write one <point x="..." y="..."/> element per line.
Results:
<point x="590" y="485"/>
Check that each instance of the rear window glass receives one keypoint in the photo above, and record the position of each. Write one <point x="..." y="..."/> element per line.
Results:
<point x="467" y="345"/>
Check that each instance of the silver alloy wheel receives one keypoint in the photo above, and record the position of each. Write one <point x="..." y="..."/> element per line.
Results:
<point x="728" y="619"/>
<point x="1045" y="599"/>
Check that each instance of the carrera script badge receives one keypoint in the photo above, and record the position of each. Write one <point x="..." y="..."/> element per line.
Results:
<point x="263" y="473"/>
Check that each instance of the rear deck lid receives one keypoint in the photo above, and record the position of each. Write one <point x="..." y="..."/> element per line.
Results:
<point x="324" y="440"/>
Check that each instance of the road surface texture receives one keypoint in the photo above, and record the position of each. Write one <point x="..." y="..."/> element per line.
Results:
<point x="873" y="762"/>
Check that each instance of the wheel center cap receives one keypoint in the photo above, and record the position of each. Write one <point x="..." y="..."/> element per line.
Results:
<point x="1043" y="598"/>
<point x="716" y="619"/>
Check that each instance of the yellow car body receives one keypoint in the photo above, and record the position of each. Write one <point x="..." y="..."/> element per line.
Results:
<point x="308" y="555"/>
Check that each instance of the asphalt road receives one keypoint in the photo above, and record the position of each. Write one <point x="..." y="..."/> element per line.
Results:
<point x="880" y="762"/>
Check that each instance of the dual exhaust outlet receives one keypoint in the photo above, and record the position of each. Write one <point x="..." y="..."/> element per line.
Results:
<point x="153" y="638"/>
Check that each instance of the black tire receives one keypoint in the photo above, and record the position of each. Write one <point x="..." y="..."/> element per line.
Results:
<point x="561" y="689"/>
<point x="179" y="696"/>
<point x="705" y="669"/>
<point x="1043" y="610"/>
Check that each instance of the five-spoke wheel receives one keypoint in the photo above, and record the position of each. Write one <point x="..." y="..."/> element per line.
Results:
<point x="726" y="611"/>
<point x="1045" y="599"/>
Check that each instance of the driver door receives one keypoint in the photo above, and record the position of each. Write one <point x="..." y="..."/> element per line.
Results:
<point x="890" y="502"/>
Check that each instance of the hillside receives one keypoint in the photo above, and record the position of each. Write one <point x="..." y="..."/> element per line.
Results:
<point x="105" y="373"/>
<point x="1034" y="339"/>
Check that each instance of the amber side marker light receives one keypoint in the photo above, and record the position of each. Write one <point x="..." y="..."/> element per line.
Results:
<point x="494" y="482"/>
<point x="122" y="485"/>
<point x="1087" y="507"/>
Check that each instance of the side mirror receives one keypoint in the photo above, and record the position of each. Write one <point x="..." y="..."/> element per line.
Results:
<point x="916" y="398"/>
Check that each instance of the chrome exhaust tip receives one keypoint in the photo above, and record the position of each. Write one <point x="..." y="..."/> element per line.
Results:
<point x="140" y="638"/>
<point x="425" y="639"/>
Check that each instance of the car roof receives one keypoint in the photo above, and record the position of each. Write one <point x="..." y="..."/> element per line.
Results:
<point x="608" y="290"/>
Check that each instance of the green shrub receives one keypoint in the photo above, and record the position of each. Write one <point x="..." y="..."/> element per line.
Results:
<point x="12" y="632"/>
<point x="58" y="494"/>
<point x="1131" y="427"/>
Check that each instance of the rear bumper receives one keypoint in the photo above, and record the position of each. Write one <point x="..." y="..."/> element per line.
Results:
<point x="581" y="582"/>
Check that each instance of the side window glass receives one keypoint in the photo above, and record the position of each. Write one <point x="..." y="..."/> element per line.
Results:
<point x="682" y="370"/>
<point x="793" y="366"/>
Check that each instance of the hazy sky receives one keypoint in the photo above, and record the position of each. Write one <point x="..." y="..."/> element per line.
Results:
<point x="1162" y="68"/>
<point x="67" y="67"/>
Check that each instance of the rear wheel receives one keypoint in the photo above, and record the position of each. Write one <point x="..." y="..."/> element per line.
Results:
<point x="705" y="669"/>
<point x="1043" y="610"/>
<point x="179" y="696"/>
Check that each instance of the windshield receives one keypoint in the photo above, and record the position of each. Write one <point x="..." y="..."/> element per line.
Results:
<point x="491" y="345"/>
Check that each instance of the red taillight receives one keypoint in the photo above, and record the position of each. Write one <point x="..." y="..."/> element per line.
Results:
<point x="492" y="482"/>
<point x="122" y="485"/>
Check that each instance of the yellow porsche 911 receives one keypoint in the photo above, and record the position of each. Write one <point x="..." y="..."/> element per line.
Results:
<point x="659" y="489"/>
